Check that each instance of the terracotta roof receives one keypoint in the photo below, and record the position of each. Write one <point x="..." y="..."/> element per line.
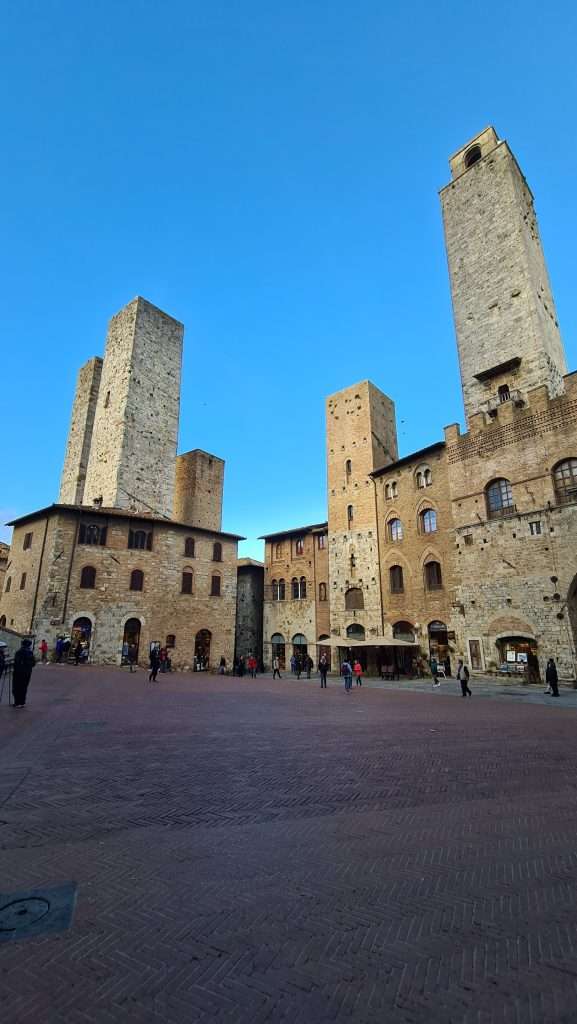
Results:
<point x="119" y="513"/>
<point x="296" y="532"/>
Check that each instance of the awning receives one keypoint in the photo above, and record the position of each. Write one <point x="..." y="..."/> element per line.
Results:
<point x="378" y="641"/>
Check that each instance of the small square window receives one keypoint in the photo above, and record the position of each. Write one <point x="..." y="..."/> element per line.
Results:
<point x="535" y="528"/>
<point x="27" y="541"/>
<point x="23" y="581"/>
<point x="468" y="539"/>
<point x="299" y="546"/>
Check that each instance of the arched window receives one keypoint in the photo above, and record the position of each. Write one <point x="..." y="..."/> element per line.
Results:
<point x="136" y="579"/>
<point x="322" y="591"/>
<point x="433" y="576"/>
<point x="354" y="598"/>
<point x="395" y="529"/>
<point x="472" y="156"/>
<point x="88" y="577"/>
<point x="350" y="515"/>
<point x="404" y="631"/>
<point x="170" y="640"/>
<point x="281" y="590"/>
<point x="187" y="581"/>
<point x="299" y="644"/>
<point x="356" y="631"/>
<point x="388" y="492"/>
<point x="294" y="588"/>
<point x="278" y="551"/>
<point x="299" y="546"/>
<point x="92" y="533"/>
<point x="302" y="587"/>
<point x="499" y="496"/>
<point x="565" y="480"/>
<point x="215" y="586"/>
<point x="428" y="520"/>
<point x="394" y="490"/>
<point x="423" y="477"/>
<point x="189" y="547"/>
<point x="23" y="581"/>
<point x="278" y="648"/>
<point x="8" y="585"/>
<point x="396" y="584"/>
<point x="348" y="469"/>
<point x="274" y="587"/>
<point x="217" y="551"/>
<point x="140" y="540"/>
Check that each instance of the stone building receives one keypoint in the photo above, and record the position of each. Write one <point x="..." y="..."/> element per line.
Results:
<point x="469" y="546"/>
<point x="4" y="558"/>
<point x="133" y="553"/>
<point x="249" y="608"/>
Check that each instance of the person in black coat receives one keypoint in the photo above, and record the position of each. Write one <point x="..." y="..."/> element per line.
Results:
<point x="24" y="662"/>
<point x="551" y="677"/>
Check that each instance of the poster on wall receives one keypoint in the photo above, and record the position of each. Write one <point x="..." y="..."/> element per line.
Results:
<point x="522" y="656"/>
<point x="511" y="656"/>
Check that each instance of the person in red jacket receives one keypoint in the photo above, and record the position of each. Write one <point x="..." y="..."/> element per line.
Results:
<point x="358" y="671"/>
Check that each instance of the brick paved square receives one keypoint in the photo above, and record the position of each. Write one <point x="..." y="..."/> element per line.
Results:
<point x="250" y="852"/>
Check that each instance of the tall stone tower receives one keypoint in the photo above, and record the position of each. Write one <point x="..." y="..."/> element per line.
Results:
<point x="133" y="450"/>
<point x="198" y="490"/>
<point x="361" y="437"/>
<point x="80" y="434"/>
<point x="507" y="332"/>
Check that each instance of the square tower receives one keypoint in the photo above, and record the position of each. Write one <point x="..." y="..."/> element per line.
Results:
<point x="361" y="437"/>
<point x="133" y="450"/>
<point x="80" y="433"/>
<point x="507" y="331"/>
<point x="198" y="490"/>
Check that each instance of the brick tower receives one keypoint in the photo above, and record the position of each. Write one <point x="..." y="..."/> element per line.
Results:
<point x="507" y="332"/>
<point x="80" y="433"/>
<point x="361" y="437"/>
<point x="133" y="449"/>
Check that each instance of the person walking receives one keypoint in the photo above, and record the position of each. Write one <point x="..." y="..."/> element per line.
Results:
<point x="24" y="662"/>
<point x="434" y="669"/>
<point x="276" y="669"/>
<point x="78" y="653"/>
<point x="162" y="658"/>
<point x="154" y="665"/>
<point x="309" y="665"/>
<point x="347" y="674"/>
<point x="293" y="664"/>
<point x="251" y="664"/>
<point x="463" y="677"/>
<point x="323" y="669"/>
<point x="358" y="670"/>
<point x="44" y="652"/>
<point x="131" y="656"/>
<point x="552" y="677"/>
<point x="298" y="666"/>
<point x="241" y="666"/>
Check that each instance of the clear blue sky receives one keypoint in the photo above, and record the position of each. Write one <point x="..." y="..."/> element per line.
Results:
<point x="268" y="174"/>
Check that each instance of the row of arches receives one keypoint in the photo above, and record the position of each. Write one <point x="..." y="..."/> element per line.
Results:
<point x="426" y="524"/>
<point x="422" y="477"/>
<point x="83" y="629"/>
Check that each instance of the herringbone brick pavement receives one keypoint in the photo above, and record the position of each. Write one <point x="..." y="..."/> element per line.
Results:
<point x="255" y="852"/>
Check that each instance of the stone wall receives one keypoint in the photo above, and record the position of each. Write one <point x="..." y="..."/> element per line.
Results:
<point x="133" y="452"/>
<point x="53" y="598"/>
<point x="249" y="608"/>
<point x="198" y="489"/>
<point x="80" y="433"/>
<point x="502" y="300"/>
<point x="291" y="616"/>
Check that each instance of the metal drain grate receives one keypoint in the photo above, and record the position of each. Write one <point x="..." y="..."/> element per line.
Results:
<point x="24" y="915"/>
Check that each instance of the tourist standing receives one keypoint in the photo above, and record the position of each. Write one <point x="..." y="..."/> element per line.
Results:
<point x="24" y="662"/>
<point x="463" y="677"/>
<point x="162" y="657"/>
<point x="358" y="670"/>
<point x="276" y="668"/>
<point x="293" y="664"/>
<point x="44" y="652"/>
<point x="434" y="669"/>
<point x="323" y="669"/>
<point x="309" y="665"/>
<point x="298" y="666"/>
<point x="552" y="677"/>
<point x="154" y="665"/>
<point x="251" y="664"/>
<point x="347" y="674"/>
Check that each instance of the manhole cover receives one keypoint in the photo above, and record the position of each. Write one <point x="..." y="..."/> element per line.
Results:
<point x="22" y="913"/>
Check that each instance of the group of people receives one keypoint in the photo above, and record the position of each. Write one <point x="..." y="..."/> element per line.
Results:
<point x="348" y="671"/>
<point x="246" y="666"/>
<point x="301" y="663"/>
<point x="159" y="661"/>
<point x="22" y="665"/>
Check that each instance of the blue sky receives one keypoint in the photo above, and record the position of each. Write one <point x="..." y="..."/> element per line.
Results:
<point x="268" y="174"/>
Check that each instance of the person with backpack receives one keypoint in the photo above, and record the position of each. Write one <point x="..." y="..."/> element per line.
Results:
<point x="347" y="674"/>
<point x="463" y="677"/>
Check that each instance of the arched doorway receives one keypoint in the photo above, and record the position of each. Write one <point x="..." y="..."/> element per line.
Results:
<point x="278" y="648"/>
<point x="324" y="649"/>
<point x="300" y="648"/>
<point x="131" y="641"/>
<point x="438" y="641"/>
<point x="518" y="656"/>
<point x="81" y="633"/>
<point x="202" y="649"/>
<point x="356" y="632"/>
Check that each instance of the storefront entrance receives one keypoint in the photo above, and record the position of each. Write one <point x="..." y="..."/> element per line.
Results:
<point x="518" y="655"/>
<point x="81" y="634"/>
<point x="438" y="642"/>
<point x="202" y="649"/>
<point x="278" y="648"/>
<point x="131" y="641"/>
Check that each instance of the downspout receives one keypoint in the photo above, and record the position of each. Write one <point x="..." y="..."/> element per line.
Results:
<point x="34" y="603"/>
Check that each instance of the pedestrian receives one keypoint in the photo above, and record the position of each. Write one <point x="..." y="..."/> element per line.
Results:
<point x="65" y="647"/>
<point x="222" y="666"/>
<point x="293" y="664"/>
<point x="309" y="665"/>
<point x="24" y="662"/>
<point x="59" y="649"/>
<point x="251" y="665"/>
<point x="44" y="652"/>
<point x="299" y="666"/>
<point x="276" y="668"/>
<point x="131" y="656"/>
<point x="552" y="677"/>
<point x="78" y="653"/>
<point x="463" y="677"/>
<point x="358" y="670"/>
<point x="347" y="674"/>
<point x="241" y="666"/>
<point x="162" y="655"/>
<point x="154" y="664"/>
<point x="447" y="665"/>
<point x="434" y="669"/>
<point x="323" y="669"/>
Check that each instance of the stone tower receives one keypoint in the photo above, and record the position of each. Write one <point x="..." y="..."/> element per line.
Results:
<point x="133" y="450"/>
<point x="361" y="437"/>
<point x="80" y="434"/>
<point x="198" y="490"/>
<point x="507" y="332"/>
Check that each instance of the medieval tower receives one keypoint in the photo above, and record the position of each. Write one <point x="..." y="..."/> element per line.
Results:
<point x="361" y="437"/>
<point x="506" y="325"/>
<point x="80" y="433"/>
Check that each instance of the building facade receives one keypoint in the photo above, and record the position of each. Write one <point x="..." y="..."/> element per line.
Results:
<point x="133" y="554"/>
<point x="468" y="547"/>
<point x="249" y="609"/>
